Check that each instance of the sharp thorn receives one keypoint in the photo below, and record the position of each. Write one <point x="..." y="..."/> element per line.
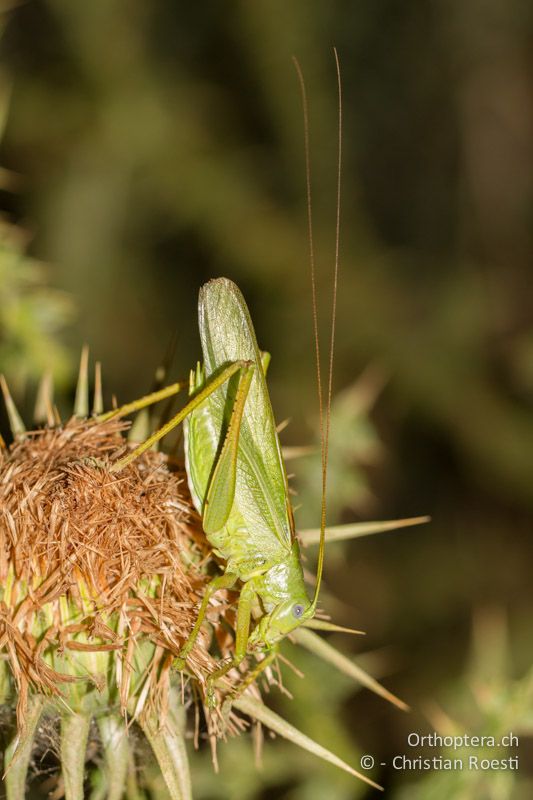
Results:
<point x="290" y="453"/>
<point x="353" y="530"/>
<point x="168" y="359"/>
<point x="257" y="710"/>
<point x="282" y="425"/>
<point x="98" y="400"/>
<point x="81" y="403"/>
<point x="323" y="625"/>
<point x="140" y="429"/>
<point x="315" y="644"/>
<point x="16" y="424"/>
<point x="44" y="411"/>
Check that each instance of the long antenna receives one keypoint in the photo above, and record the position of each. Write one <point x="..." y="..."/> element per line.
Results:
<point x="324" y="427"/>
<point x="305" y="109"/>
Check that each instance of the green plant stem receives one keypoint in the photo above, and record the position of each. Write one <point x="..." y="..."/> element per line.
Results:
<point x="168" y="744"/>
<point x="116" y="754"/>
<point x="18" y="752"/>
<point x="74" y="736"/>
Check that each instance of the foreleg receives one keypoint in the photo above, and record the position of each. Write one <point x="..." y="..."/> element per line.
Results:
<point x="225" y="581"/>
<point x="244" y="614"/>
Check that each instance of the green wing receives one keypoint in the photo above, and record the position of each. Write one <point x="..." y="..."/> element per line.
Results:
<point x="261" y="497"/>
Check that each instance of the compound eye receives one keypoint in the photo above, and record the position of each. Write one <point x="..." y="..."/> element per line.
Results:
<point x="297" y="610"/>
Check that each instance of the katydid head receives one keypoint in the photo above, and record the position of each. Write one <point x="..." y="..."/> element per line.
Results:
<point x="284" y="597"/>
<point x="281" y="621"/>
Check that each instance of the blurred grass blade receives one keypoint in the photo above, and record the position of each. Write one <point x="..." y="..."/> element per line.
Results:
<point x="18" y="753"/>
<point x="116" y="753"/>
<point x="74" y="736"/>
<point x="15" y="420"/>
<point x="81" y="402"/>
<point x="168" y="745"/>
<point x="312" y="642"/>
<point x="257" y="710"/>
<point x="339" y="533"/>
<point x="324" y="625"/>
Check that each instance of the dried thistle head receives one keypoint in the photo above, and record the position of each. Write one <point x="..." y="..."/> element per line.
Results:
<point x="92" y="561"/>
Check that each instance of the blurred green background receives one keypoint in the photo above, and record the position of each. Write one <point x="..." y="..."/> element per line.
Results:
<point x="150" y="146"/>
